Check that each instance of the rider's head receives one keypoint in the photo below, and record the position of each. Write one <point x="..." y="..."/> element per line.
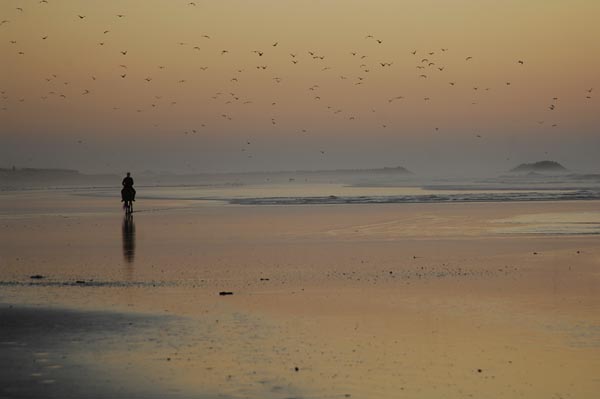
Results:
<point x="128" y="174"/>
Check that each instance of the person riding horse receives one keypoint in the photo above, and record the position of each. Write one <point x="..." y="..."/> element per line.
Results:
<point x="128" y="192"/>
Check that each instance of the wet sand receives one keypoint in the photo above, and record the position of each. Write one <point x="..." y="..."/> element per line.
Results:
<point x="398" y="300"/>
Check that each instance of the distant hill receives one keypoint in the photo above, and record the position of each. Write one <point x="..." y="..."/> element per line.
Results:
<point x="29" y="177"/>
<point x="539" y="167"/>
<point x="25" y="177"/>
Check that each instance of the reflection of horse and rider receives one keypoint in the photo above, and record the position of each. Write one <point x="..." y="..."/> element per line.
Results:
<point x="128" y="192"/>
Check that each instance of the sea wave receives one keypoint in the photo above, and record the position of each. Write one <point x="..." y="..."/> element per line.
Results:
<point x="578" y="195"/>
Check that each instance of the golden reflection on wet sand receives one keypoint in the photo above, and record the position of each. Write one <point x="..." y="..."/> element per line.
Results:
<point x="417" y="301"/>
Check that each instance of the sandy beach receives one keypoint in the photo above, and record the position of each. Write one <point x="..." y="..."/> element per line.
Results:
<point x="492" y="300"/>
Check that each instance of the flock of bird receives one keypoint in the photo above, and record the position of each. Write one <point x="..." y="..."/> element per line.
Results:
<point x="428" y="65"/>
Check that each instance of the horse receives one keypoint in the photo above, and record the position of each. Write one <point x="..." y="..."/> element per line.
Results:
<point x="127" y="195"/>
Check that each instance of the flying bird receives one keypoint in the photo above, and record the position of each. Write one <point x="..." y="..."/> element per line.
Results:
<point x="468" y="58"/>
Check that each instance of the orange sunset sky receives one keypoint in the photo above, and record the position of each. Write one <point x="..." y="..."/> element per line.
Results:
<point x="203" y="86"/>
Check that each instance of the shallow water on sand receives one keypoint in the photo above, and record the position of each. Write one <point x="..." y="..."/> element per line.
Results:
<point x="388" y="300"/>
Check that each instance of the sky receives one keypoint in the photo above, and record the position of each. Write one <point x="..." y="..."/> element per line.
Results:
<point x="440" y="87"/>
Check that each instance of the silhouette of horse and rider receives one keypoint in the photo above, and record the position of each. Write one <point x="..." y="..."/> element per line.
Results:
<point x="128" y="194"/>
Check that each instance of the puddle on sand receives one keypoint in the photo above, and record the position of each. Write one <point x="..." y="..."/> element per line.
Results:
<point x="557" y="223"/>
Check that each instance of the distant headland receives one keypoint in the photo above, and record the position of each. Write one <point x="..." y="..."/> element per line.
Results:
<point x="539" y="167"/>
